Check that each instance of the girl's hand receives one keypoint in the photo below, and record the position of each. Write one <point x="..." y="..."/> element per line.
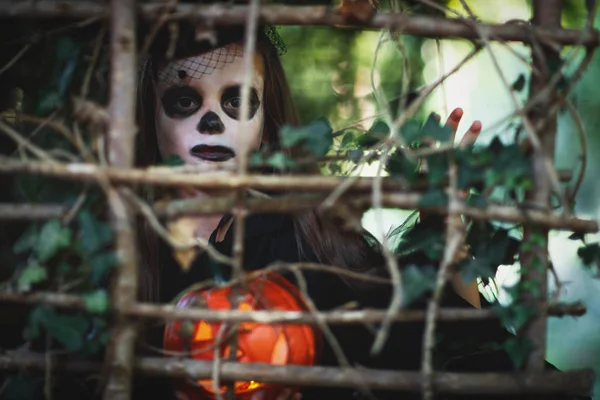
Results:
<point x="286" y="394"/>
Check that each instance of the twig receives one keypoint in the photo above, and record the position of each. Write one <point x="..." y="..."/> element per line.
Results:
<point x="169" y="312"/>
<point x="85" y="86"/>
<point x="454" y="240"/>
<point x="581" y="132"/>
<point x="20" y="140"/>
<point x="120" y="358"/>
<point x="568" y="383"/>
<point x="148" y="213"/>
<point x="16" y="58"/>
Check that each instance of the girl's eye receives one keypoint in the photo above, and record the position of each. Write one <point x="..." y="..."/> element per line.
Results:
<point x="184" y="103"/>
<point x="235" y="102"/>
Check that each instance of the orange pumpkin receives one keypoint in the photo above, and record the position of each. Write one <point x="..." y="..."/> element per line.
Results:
<point x="257" y="342"/>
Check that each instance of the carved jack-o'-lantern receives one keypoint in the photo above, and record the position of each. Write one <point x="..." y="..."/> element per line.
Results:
<point x="257" y="343"/>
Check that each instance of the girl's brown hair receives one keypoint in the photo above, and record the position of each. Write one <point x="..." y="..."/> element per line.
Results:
<point x="329" y="243"/>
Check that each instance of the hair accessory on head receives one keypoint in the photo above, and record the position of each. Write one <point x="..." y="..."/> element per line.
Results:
<point x="276" y="40"/>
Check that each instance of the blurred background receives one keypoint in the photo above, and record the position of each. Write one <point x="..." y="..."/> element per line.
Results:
<point x="326" y="82"/>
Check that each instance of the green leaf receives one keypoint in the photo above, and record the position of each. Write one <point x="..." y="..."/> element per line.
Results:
<point x="477" y="268"/>
<point x="518" y="349"/>
<point x="256" y="159"/>
<point x="281" y="161"/>
<point x="95" y="234"/>
<point x="368" y="140"/>
<point x="96" y="302"/>
<point x="399" y="165"/>
<point x="434" y="130"/>
<point x="68" y="329"/>
<point x="32" y="274"/>
<point x="519" y="84"/>
<point x="514" y="316"/>
<point x="416" y="281"/>
<point x="379" y="128"/>
<point x="172" y="160"/>
<point x="433" y="198"/>
<point x="101" y="264"/>
<point x="355" y="155"/>
<point x="577" y="236"/>
<point x="438" y="166"/>
<point x="19" y="387"/>
<point x="334" y="168"/>
<point x="347" y="139"/>
<point x="53" y="237"/>
<point x="315" y="137"/>
<point x="589" y="253"/>
<point x="411" y="131"/>
<point x="27" y="240"/>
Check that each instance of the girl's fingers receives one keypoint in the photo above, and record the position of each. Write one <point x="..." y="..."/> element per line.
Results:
<point x="472" y="134"/>
<point x="258" y="395"/>
<point x="454" y="119"/>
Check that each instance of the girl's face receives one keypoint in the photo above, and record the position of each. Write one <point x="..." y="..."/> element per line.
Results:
<point x="199" y="104"/>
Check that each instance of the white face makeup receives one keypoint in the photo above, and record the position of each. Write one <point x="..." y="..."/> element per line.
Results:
<point x="198" y="106"/>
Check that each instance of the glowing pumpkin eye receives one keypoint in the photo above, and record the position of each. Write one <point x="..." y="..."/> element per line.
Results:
<point x="257" y="342"/>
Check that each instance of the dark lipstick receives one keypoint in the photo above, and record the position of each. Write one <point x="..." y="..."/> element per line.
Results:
<point x="212" y="153"/>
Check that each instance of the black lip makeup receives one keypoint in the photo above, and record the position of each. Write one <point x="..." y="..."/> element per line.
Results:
<point x="212" y="153"/>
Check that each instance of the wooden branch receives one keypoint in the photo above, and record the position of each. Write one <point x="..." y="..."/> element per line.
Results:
<point x="169" y="312"/>
<point x="534" y="262"/>
<point x="228" y="15"/>
<point x="551" y="383"/>
<point x="88" y="172"/>
<point x="33" y="212"/>
<point x="120" y="355"/>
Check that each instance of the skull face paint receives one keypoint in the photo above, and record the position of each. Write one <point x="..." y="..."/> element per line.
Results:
<point x="198" y="106"/>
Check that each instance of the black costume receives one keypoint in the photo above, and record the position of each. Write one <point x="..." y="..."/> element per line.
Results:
<point x="270" y="238"/>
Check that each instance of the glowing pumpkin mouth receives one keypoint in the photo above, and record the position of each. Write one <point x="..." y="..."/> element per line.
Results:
<point x="256" y="342"/>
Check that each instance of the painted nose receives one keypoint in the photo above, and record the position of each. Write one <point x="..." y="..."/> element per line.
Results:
<point x="211" y="124"/>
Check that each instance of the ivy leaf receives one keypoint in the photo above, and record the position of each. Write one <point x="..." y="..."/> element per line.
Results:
<point x="53" y="237"/>
<point x="95" y="234"/>
<point x="32" y="274"/>
<point x="68" y="330"/>
<point x="518" y="349"/>
<point x="411" y="131"/>
<point x="100" y="266"/>
<point x="19" y="387"/>
<point x="417" y="281"/>
<point x="96" y="302"/>
<point x="589" y="253"/>
<point x="347" y="139"/>
<point x="256" y="159"/>
<point x="399" y="165"/>
<point x="355" y="155"/>
<point x="315" y="137"/>
<point x="519" y="84"/>
<point x="281" y="161"/>
<point x="376" y="133"/>
<point x="433" y="198"/>
<point x="27" y="240"/>
<point x="515" y="315"/>
<point x="477" y="268"/>
<point x="434" y="130"/>
<point x="577" y="236"/>
<point x="172" y="160"/>
<point x="437" y="165"/>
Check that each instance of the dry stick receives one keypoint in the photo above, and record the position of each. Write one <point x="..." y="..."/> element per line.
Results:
<point x="16" y="58"/>
<point x="470" y="384"/>
<point x="529" y="128"/>
<point x="581" y="132"/>
<point x="169" y="312"/>
<point x="330" y="337"/>
<point x="221" y="15"/>
<point x="32" y="212"/>
<point x="391" y="261"/>
<point x="454" y="240"/>
<point x="120" y="354"/>
<point x="161" y="231"/>
<point x="548" y="14"/>
<point x="20" y="140"/>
